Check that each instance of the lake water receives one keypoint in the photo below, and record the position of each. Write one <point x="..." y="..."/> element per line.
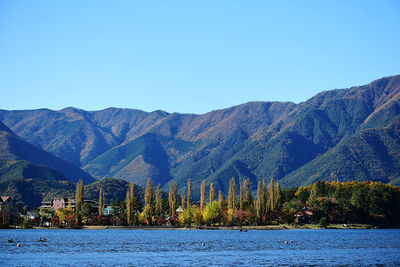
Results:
<point x="184" y="248"/>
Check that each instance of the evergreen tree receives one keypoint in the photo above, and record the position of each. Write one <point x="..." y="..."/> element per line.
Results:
<point x="149" y="201"/>
<point x="202" y="195"/>
<point x="232" y="194"/>
<point x="213" y="193"/>
<point x="79" y="199"/>
<point x="172" y="197"/>
<point x="221" y="200"/>
<point x="158" y="201"/>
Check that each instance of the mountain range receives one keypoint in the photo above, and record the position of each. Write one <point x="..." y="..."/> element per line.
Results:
<point x="343" y="134"/>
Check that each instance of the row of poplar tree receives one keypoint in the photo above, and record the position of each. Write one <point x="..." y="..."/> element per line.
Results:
<point x="223" y="211"/>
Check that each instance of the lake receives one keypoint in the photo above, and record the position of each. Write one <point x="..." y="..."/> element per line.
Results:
<point x="184" y="247"/>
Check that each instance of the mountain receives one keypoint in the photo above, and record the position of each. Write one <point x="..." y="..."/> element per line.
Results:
<point x="340" y="134"/>
<point x="15" y="148"/>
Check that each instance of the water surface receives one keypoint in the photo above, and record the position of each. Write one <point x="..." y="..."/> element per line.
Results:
<point x="184" y="248"/>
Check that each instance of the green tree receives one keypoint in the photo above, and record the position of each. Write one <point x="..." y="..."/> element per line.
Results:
<point x="172" y="198"/>
<point x="101" y="202"/>
<point x="213" y="193"/>
<point x="130" y="203"/>
<point x="232" y="194"/>
<point x="189" y="194"/>
<point x="211" y="213"/>
<point x="158" y="201"/>
<point x="248" y="198"/>
<point x="221" y="200"/>
<point x="241" y="197"/>
<point x="149" y="201"/>
<point x="202" y="195"/>
<point x="79" y="200"/>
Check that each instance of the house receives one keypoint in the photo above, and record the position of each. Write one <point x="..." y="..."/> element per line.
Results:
<point x="7" y="201"/>
<point x="108" y="211"/>
<point x="58" y="203"/>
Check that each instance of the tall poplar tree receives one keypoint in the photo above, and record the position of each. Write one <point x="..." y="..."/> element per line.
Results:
<point x="221" y="201"/>
<point x="260" y="202"/>
<point x="248" y="198"/>
<point x="213" y="193"/>
<point x="232" y="194"/>
<point x="241" y="196"/>
<point x="149" y="200"/>
<point x="202" y="195"/>
<point x="101" y="202"/>
<point x="130" y="203"/>
<point x="270" y="200"/>
<point x="189" y="194"/>
<point x="183" y="200"/>
<point x="172" y="198"/>
<point x="79" y="199"/>
<point x="158" y="201"/>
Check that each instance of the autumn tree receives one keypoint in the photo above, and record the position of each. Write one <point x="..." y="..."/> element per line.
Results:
<point x="202" y="195"/>
<point x="248" y="198"/>
<point x="158" y="201"/>
<point x="130" y="203"/>
<point x="241" y="197"/>
<point x="221" y="200"/>
<point x="149" y="201"/>
<point x="172" y="198"/>
<point x="232" y="194"/>
<point x="213" y="193"/>
<point x="189" y="194"/>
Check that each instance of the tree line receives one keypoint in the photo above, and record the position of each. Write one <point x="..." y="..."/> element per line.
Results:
<point x="327" y="202"/>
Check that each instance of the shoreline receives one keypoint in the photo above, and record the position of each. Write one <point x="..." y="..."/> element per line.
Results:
<point x="245" y="228"/>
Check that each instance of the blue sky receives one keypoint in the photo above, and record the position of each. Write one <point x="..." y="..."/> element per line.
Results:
<point x="190" y="56"/>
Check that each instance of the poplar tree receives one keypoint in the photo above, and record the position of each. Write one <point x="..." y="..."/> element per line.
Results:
<point x="189" y="194"/>
<point x="183" y="200"/>
<point x="149" y="200"/>
<point x="202" y="195"/>
<point x="79" y="199"/>
<point x="130" y="203"/>
<point x="241" y="197"/>
<point x="270" y="200"/>
<point x="232" y="194"/>
<point x="101" y="202"/>
<point x="172" y="197"/>
<point x="221" y="201"/>
<point x="158" y="201"/>
<point x="248" y="198"/>
<point x="260" y="202"/>
<point x="213" y="193"/>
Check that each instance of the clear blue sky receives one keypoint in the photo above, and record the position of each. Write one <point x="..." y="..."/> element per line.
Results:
<point x="190" y="56"/>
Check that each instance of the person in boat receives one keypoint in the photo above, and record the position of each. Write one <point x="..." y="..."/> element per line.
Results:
<point x="10" y="240"/>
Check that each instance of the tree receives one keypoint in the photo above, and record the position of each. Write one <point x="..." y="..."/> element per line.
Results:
<point x="130" y="203"/>
<point x="202" y="195"/>
<point x="79" y="200"/>
<point x="260" y="202"/>
<point x="221" y="200"/>
<point x="149" y="201"/>
<point x="172" y="197"/>
<point x="213" y="193"/>
<point x="101" y="202"/>
<point x="158" y="201"/>
<point x="183" y="200"/>
<point x="86" y="212"/>
<point x="198" y="216"/>
<point x="232" y="194"/>
<point x="189" y="194"/>
<point x="241" y="197"/>
<point x="248" y="198"/>
<point x="211" y="213"/>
